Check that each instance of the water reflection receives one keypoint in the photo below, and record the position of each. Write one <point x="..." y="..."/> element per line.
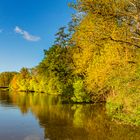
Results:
<point x="58" y="121"/>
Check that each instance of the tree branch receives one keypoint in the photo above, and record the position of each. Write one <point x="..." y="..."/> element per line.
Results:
<point x="126" y="42"/>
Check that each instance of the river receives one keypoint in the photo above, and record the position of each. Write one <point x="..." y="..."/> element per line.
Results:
<point x="43" y="117"/>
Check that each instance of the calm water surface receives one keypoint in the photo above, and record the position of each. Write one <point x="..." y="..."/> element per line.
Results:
<point x="42" y="117"/>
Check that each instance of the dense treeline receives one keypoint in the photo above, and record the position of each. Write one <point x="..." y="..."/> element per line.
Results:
<point x="5" y="78"/>
<point x="96" y="58"/>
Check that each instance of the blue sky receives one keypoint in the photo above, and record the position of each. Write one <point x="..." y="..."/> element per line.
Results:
<point x="27" y="27"/>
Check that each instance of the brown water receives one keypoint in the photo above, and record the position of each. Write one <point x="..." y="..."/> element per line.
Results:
<point x="42" y="117"/>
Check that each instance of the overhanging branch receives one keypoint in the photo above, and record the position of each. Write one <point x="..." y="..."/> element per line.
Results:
<point x="126" y="42"/>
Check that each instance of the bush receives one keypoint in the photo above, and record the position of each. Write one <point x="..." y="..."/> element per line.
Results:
<point x="79" y="92"/>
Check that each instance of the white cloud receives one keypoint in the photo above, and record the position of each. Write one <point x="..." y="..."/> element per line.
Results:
<point x="26" y="35"/>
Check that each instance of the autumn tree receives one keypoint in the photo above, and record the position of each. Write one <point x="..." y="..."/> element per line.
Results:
<point x="107" y="53"/>
<point x="21" y="81"/>
<point x="5" y="78"/>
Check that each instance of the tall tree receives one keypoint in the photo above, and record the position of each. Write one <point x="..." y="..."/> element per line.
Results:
<point x="61" y="37"/>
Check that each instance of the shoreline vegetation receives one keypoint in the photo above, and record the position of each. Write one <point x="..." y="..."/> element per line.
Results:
<point x="95" y="58"/>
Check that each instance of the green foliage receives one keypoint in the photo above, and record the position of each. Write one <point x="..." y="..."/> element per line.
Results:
<point x="125" y="108"/>
<point x="61" y="37"/>
<point x="123" y="103"/>
<point x="79" y="93"/>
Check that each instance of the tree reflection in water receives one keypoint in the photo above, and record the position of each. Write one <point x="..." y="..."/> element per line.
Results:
<point x="67" y="121"/>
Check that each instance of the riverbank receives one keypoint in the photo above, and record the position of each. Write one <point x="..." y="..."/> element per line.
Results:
<point x="118" y="107"/>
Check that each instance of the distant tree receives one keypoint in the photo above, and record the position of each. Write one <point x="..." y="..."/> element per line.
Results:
<point x="5" y="78"/>
<point x="21" y="81"/>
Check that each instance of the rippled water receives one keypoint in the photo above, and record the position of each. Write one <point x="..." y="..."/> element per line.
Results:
<point x="42" y="117"/>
